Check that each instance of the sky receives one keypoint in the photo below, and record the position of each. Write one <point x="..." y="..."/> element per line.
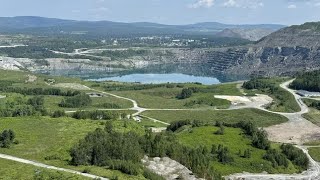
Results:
<point x="286" y="12"/>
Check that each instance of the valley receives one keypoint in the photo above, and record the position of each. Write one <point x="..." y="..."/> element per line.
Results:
<point x="108" y="100"/>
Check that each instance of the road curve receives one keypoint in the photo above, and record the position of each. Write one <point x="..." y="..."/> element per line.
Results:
<point x="295" y="119"/>
<point x="25" y="161"/>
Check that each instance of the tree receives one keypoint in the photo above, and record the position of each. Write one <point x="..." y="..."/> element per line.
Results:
<point x="185" y="93"/>
<point x="7" y="138"/>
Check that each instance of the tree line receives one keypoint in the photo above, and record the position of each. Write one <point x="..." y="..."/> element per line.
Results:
<point x="308" y="81"/>
<point x="39" y="91"/>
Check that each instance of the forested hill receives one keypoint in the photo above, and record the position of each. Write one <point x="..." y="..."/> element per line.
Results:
<point x="32" y="24"/>
<point x="309" y="81"/>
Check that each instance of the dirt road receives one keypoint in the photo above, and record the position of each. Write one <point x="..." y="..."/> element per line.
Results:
<point x="25" y="161"/>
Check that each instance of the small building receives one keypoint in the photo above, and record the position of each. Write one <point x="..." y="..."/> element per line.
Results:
<point x="304" y="93"/>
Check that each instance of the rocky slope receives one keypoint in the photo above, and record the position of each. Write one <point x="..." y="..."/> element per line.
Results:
<point x="249" y="34"/>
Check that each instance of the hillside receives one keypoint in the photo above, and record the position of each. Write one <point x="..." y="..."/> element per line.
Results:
<point x="32" y="24"/>
<point x="249" y="34"/>
<point x="306" y="35"/>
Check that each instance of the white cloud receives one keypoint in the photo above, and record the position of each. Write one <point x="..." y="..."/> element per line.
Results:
<point x="202" y="3"/>
<point x="251" y="4"/>
<point x="292" y="6"/>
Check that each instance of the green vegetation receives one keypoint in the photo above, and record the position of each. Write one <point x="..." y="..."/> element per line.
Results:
<point x="185" y="93"/>
<point x="19" y="105"/>
<point x="49" y="140"/>
<point x="99" y="115"/>
<point x="165" y="95"/>
<point x="237" y="143"/>
<point x="315" y="153"/>
<point x="260" y="118"/>
<point x="308" y="81"/>
<point x="283" y="100"/>
<point x="6" y="138"/>
<point x="314" y="114"/>
<point x="312" y="103"/>
<point x="11" y="170"/>
<point x="78" y="101"/>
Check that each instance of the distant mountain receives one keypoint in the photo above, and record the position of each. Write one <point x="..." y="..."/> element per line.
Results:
<point x="249" y="34"/>
<point x="32" y="24"/>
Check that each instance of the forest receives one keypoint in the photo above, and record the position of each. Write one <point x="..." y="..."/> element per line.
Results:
<point x="308" y="81"/>
<point x="123" y="151"/>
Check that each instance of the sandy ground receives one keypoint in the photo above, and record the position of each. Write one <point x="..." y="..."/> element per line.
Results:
<point x="260" y="100"/>
<point x="296" y="131"/>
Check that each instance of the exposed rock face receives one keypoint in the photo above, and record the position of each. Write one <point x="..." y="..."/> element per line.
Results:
<point x="268" y="61"/>
<point x="249" y="34"/>
<point x="283" y="52"/>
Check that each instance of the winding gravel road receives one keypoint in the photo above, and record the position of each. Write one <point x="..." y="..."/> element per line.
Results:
<point x="297" y="130"/>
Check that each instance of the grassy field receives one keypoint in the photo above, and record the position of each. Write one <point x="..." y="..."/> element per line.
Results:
<point x="52" y="103"/>
<point x="166" y="97"/>
<point x="313" y="115"/>
<point x="234" y="139"/>
<point x="49" y="140"/>
<point x="261" y="118"/>
<point x="315" y="153"/>
<point x="11" y="170"/>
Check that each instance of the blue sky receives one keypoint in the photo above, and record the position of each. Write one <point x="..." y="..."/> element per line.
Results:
<point x="170" y="11"/>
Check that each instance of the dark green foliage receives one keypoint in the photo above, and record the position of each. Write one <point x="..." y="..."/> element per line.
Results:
<point x="312" y="103"/>
<point x="221" y="128"/>
<point x="126" y="167"/>
<point x="7" y="138"/>
<point x="223" y="155"/>
<point x="276" y="158"/>
<point x="260" y="140"/>
<point x="96" y="115"/>
<point x="132" y="87"/>
<point x="101" y="148"/>
<point x="308" y="81"/>
<point x="178" y="124"/>
<point x="247" y="153"/>
<point x="174" y="126"/>
<point x="259" y="136"/>
<point x="151" y="175"/>
<point x="58" y="113"/>
<point x="295" y="155"/>
<point x="185" y="93"/>
<point x="21" y="106"/>
<point x="80" y="100"/>
<point x="38" y="103"/>
<point x="38" y="91"/>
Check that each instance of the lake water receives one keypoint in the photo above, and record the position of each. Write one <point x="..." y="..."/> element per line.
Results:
<point x="161" y="78"/>
<point x="172" y="73"/>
